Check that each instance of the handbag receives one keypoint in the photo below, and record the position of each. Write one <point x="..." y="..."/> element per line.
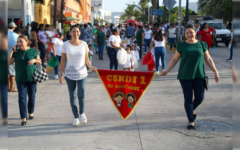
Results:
<point x="40" y="76"/>
<point x="206" y="83"/>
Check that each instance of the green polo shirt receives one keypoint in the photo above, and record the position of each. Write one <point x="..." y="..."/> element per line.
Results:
<point x="192" y="56"/>
<point x="3" y="66"/>
<point x="24" y="71"/>
<point x="100" y="38"/>
<point x="139" y="36"/>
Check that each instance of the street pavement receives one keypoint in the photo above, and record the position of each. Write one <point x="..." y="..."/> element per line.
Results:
<point x="158" y="122"/>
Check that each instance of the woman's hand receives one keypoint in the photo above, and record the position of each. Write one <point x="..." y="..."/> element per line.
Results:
<point x="164" y="73"/>
<point x="14" y="49"/>
<point x="93" y="69"/>
<point x="54" y="55"/>
<point x="31" y="62"/>
<point x="216" y="77"/>
<point x="61" y="79"/>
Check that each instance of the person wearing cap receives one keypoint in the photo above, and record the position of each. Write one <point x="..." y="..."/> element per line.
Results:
<point x="11" y="27"/>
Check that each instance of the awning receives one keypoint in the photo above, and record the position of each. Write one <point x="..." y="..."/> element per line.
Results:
<point x="58" y="15"/>
<point x="72" y="18"/>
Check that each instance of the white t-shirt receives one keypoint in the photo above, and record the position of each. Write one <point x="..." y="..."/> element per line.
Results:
<point x="76" y="66"/>
<point x="148" y="34"/>
<point x="163" y="29"/>
<point x="137" y="52"/>
<point x="172" y="33"/>
<point x="49" y="33"/>
<point x="159" y="43"/>
<point x="128" y="63"/>
<point x="58" y="46"/>
<point x="116" y="40"/>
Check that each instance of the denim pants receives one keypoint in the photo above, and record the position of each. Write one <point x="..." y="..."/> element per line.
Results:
<point x="42" y="51"/>
<point x="172" y="42"/>
<point x="56" y="68"/>
<point x="4" y="99"/>
<point x="76" y="89"/>
<point x="140" y="51"/>
<point x="112" y="54"/>
<point x="160" y="52"/>
<point x="231" y="51"/>
<point x="100" y="50"/>
<point x="190" y="87"/>
<point x="147" y="43"/>
<point x="26" y="89"/>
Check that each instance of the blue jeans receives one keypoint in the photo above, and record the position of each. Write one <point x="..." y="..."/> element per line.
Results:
<point x="172" y="42"/>
<point x="147" y="43"/>
<point x="231" y="51"/>
<point x="100" y="50"/>
<point x="112" y="54"/>
<point x="4" y="99"/>
<point x="42" y="51"/>
<point x="160" y="52"/>
<point x="76" y="89"/>
<point x="26" y="89"/>
<point x="189" y="87"/>
<point x="56" y="68"/>
<point x="140" y="51"/>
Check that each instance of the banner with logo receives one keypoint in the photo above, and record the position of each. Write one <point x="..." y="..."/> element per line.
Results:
<point x="125" y="88"/>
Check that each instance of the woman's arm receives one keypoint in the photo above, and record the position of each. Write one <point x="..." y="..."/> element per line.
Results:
<point x="172" y="63"/>
<point x="96" y="39"/>
<point x="63" y="59"/>
<point x="37" y="61"/>
<point x="211" y="65"/>
<point x="143" y="35"/>
<point x="11" y="60"/>
<point x="35" y="39"/>
<point x="88" y="63"/>
<point x="150" y="47"/>
<point x="53" y="48"/>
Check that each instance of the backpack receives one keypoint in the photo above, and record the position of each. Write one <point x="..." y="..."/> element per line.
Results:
<point x="82" y="35"/>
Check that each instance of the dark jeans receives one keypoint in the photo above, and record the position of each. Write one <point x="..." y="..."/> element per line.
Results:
<point x="147" y="43"/>
<point x="56" y="68"/>
<point x="4" y="99"/>
<point x="160" y="52"/>
<point x="189" y="87"/>
<point x="172" y="42"/>
<point x="130" y="37"/>
<point x="112" y="54"/>
<point x="231" y="51"/>
<point x="42" y="51"/>
<point x="100" y="50"/>
<point x="26" y="89"/>
<point x="140" y="51"/>
<point x="76" y="89"/>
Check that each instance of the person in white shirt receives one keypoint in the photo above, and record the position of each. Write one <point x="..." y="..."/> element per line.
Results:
<point x="172" y="36"/>
<point x="76" y="53"/>
<point x="160" y="50"/>
<point x="128" y="65"/>
<point x="90" y="53"/>
<point x="57" y="45"/>
<point x="162" y="28"/>
<point x="114" y="45"/>
<point x="136" y="49"/>
<point x="147" y="38"/>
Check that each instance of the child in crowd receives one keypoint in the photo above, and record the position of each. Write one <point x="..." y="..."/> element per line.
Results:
<point x="136" y="49"/>
<point x="128" y="65"/>
<point x="90" y="55"/>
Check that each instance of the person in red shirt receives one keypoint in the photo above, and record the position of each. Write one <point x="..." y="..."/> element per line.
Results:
<point x="205" y="34"/>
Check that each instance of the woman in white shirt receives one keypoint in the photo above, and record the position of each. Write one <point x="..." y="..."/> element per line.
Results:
<point x="57" y="44"/>
<point x="172" y="36"/>
<point x="147" y="38"/>
<point x="114" y="45"/>
<point x="160" y="50"/>
<point x="76" y="53"/>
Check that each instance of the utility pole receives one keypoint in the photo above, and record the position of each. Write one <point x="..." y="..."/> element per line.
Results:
<point x="179" y="23"/>
<point x="55" y="14"/>
<point x="169" y="14"/>
<point x="186" y="19"/>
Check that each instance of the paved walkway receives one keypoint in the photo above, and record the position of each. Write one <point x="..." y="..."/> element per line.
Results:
<point x="158" y="122"/>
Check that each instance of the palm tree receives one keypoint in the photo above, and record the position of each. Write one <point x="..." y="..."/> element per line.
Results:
<point x="154" y="6"/>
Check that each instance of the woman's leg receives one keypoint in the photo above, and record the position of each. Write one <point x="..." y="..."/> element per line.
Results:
<point x="198" y="88"/>
<point x="81" y="84"/>
<point x="111" y="57"/>
<point x="31" y="88"/>
<point x="157" y="56"/>
<point x="170" y="40"/>
<point x="163" y="56"/>
<point x="174" y="42"/>
<point x="140" y="51"/>
<point x="146" y="44"/>
<point x="115" y="60"/>
<point x="73" y="96"/>
<point x="102" y="48"/>
<point x="56" y="68"/>
<point x="99" y="51"/>
<point x="187" y="87"/>
<point x="22" y="99"/>
<point x="4" y="99"/>
<point x="48" y="55"/>
<point x="42" y="52"/>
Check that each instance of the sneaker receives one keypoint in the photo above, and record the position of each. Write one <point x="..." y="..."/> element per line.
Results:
<point x="76" y="122"/>
<point x="83" y="118"/>
<point x="56" y="77"/>
<point x="229" y="60"/>
<point x="157" y="72"/>
<point x="44" y="66"/>
<point x="145" y="53"/>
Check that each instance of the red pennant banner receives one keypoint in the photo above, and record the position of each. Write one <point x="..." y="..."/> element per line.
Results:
<point x="125" y="88"/>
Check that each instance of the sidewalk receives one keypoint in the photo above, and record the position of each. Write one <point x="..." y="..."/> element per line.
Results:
<point x="158" y="123"/>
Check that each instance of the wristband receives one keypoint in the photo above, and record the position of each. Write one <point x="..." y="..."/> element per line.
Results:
<point x="216" y="72"/>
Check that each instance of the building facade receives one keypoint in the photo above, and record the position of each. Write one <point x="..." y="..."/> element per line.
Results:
<point x="116" y="17"/>
<point x="42" y="11"/>
<point x="108" y="16"/>
<point x="98" y="9"/>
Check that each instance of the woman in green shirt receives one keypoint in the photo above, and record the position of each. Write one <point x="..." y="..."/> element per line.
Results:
<point x="25" y="59"/>
<point x="4" y="77"/>
<point x="191" y="71"/>
<point x="100" y="41"/>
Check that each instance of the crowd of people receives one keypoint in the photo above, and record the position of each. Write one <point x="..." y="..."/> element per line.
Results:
<point x="38" y="43"/>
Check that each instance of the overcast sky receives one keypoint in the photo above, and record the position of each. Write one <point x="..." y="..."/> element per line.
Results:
<point x="120" y="5"/>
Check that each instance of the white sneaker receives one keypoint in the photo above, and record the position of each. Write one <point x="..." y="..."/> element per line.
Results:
<point x="145" y="53"/>
<point x="76" y="122"/>
<point x="83" y="118"/>
<point x="157" y="72"/>
<point x="56" y="77"/>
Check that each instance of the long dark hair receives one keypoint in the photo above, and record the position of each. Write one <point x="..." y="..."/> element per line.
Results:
<point x="159" y="36"/>
<point x="34" y="27"/>
<point x="46" y="26"/>
<point x="203" y="26"/>
<point x="114" y="31"/>
<point x="40" y="26"/>
<point x="111" y="27"/>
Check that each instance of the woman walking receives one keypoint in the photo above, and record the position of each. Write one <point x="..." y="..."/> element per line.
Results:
<point x="100" y="40"/>
<point x="191" y="71"/>
<point x="33" y="35"/>
<point x="205" y="34"/>
<point x="160" y="51"/>
<point x="42" y="40"/>
<point x="25" y="59"/>
<point x="57" y="45"/>
<point x="49" y="34"/>
<point x="172" y="36"/>
<point x="76" y="53"/>
<point x="147" y="38"/>
<point x="115" y="44"/>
